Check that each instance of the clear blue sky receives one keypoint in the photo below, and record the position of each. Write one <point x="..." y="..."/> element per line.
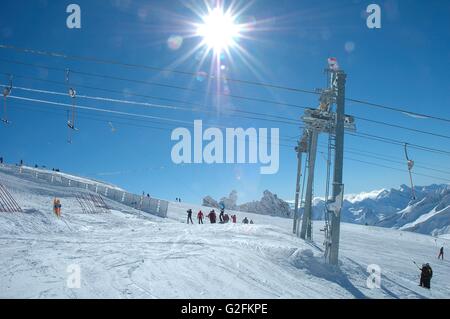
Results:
<point x="403" y="64"/>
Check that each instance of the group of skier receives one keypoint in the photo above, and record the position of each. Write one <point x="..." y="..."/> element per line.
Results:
<point x="212" y="216"/>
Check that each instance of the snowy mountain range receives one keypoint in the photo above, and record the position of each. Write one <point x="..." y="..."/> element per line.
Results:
<point x="270" y="204"/>
<point x="428" y="213"/>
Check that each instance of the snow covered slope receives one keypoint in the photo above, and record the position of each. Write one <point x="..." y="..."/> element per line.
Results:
<point x="130" y="254"/>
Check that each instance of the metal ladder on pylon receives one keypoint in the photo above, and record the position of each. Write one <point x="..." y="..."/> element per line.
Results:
<point x="327" y="226"/>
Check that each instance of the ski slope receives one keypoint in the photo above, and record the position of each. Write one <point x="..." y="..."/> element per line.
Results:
<point x="130" y="254"/>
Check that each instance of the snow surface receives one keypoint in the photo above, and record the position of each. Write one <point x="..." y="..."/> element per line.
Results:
<point x="130" y="254"/>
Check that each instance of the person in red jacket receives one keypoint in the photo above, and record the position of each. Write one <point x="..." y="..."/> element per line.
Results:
<point x="233" y="218"/>
<point x="212" y="216"/>
<point x="200" y="217"/>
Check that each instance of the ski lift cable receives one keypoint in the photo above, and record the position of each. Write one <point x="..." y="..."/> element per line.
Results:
<point x="416" y="114"/>
<point x="153" y="68"/>
<point x="165" y="127"/>
<point x="323" y="146"/>
<point x="395" y="168"/>
<point x="383" y="139"/>
<point x="401" y="127"/>
<point x="265" y="101"/>
<point x="267" y="85"/>
<point x="397" y="142"/>
<point x="120" y="120"/>
<point x="146" y="104"/>
<point x="256" y="113"/>
<point x="283" y="145"/>
<point x="109" y="111"/>
<point x="133" y="124"/>
<point x="153" y="83"/>
<point x="361" y="153"/>
<point x="381" y="156"/>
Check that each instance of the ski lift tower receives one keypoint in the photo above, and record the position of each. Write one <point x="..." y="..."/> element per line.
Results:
<point x="324" y="120"/>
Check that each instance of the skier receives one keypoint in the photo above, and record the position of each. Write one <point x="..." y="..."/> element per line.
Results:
<point x="189" y="216"/>
<point x="245" y="220"/>
<point x="221" y="215"/>
<point x="425" y="276"/>
<point x="212" y="216"/>
<point x="233" y="218"/>
<point x="251" y="221"/>
<point x="441" y="253"/>
<point x="200" y="217"/>
<point x="57" y="207"/>
<point x="226" y="218"/>
<point x="1" y="160"/>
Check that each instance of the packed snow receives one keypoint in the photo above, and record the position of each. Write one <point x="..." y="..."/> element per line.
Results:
<point x="130" y="254"/>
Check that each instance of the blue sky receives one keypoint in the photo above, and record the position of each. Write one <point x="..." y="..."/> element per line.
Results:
<point x="404" y="64"/>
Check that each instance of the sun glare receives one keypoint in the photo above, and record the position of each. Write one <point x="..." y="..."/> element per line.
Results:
<point x="219" y="30"/>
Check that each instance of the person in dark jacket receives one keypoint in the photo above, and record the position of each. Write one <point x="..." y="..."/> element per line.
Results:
<point x="212" y="216"/>
<point x="441" y="253"/>
<point x="189" y="216"/>
<point x="245" y="220"/>
<point x="200" y="217"/>
<point x="221" y="216"/>
<point x="425" y="276"/>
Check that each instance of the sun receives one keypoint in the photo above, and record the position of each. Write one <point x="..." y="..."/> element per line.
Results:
<point x="219" y="30"/>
